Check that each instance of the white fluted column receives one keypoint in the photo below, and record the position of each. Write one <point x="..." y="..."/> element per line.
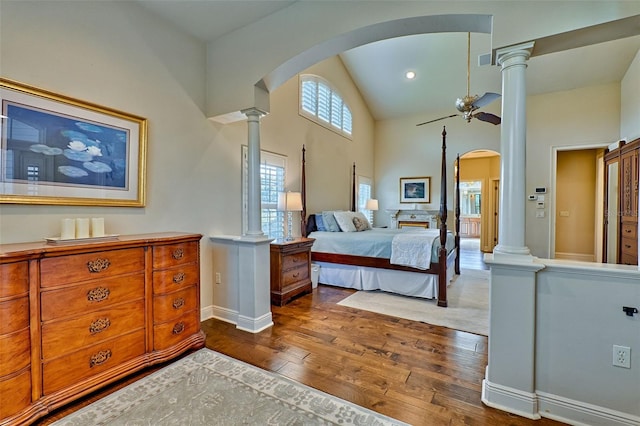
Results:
<point x="254" y="223"/>
<point x="511" y="227"/>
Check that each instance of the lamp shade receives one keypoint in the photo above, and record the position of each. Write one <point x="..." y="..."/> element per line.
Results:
<point x="372" y="204"/>
<point x="290" y="201"/>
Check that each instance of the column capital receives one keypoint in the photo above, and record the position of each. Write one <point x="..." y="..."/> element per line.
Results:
<point x="253" y="111"/>
<point x="522" y="50"/>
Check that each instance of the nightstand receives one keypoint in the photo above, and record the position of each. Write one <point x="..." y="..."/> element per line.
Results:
<point x="290" y="269"/>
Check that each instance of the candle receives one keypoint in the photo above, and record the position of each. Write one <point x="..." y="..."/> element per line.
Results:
<point x="82" y="228"/>
<point x="97" y="226"/>
<point x="68" y="229"/>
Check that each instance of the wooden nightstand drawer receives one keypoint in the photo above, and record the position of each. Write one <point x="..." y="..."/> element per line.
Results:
<point x="80" y="299"/>
<point x="62" y="337"/>
<point x="293" y="276"/>
<point x="58" y="271"/>
<point x="295" y="260"/>
<point x="630" y="246"/>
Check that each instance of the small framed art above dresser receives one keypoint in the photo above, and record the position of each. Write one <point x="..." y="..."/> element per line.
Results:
<point x="79" y="315"/>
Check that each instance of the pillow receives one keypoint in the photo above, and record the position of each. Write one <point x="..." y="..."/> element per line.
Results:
<point x="329" y="221"/>
<point x="320" y="223"/>
<point x="361" y="222"/>
<point x="345" y="221"/>
<point x="311" y="224"/>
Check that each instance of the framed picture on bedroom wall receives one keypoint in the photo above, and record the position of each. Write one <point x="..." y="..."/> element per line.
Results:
<point x="58" y="150"/>
<point x="415" y="190"/>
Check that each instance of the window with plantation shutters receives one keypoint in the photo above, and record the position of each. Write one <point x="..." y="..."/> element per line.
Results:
<point x="322" y="103"/>
<point x="272" y="180"/>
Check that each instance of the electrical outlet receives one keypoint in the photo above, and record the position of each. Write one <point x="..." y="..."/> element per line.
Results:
<point x="218" y="278"/>
<point x="621" y="356"/>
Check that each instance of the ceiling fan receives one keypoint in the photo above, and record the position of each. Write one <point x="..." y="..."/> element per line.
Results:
<point x="469" y="105"/>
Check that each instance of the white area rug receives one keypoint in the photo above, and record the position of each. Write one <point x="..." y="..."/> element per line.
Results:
<point x="467" y="296"/>
<point x="208" y="388"/>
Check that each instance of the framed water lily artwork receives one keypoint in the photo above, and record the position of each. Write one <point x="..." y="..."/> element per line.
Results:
<point x="62" y="151"/>
<point x="415" y="190"/>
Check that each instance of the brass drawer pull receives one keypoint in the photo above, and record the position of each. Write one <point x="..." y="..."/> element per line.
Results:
<point x="178" y="254"/>
<point x="101" y="324"/>
<point x="178" y="328"/>
<point x="295" y="260"/>
<point x="99" y="358"/>
<point x="178" y="303"/>
<point x="98" y="294"/>
<point x="296" y="275"/>
<point x="179" y="277"/>
<point x="98" y="265"/>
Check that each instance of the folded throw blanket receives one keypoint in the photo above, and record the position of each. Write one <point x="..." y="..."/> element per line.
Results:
<point x="413" y="248"/>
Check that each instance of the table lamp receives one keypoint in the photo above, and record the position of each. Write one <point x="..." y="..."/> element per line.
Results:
<point x="289" y="202"/>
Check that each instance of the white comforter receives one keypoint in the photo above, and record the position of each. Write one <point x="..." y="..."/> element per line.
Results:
<point x="378" y="242"/>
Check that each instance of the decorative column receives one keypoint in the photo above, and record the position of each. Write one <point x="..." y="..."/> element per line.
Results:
<point x="254" y="223"/>
<point x="511" y="227"/>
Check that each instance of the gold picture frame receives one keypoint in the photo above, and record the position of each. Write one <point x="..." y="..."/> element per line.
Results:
<point x="57" y="150"/>
<point x="415" y="190"/>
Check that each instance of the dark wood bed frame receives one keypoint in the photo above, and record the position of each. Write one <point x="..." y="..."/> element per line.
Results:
<point x="439" y="268"/>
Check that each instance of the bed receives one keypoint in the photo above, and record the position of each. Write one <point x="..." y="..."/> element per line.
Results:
<point x="424" y="262"/>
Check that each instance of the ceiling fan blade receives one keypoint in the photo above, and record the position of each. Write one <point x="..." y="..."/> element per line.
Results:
<point x="489" y="118"/>
<point x="485" y="99"/>
<point x="438" y="119"/>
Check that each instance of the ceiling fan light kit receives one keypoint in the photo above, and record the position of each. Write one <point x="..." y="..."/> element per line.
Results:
<point x="469" y="104"/>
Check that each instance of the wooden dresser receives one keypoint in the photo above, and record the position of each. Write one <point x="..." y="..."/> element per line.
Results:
<point x="290" y="269"/>
<point x="77" y="316"/>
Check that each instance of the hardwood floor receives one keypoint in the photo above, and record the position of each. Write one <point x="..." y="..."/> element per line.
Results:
<point x="415" y="372"/>
<point x="470" y="255"/>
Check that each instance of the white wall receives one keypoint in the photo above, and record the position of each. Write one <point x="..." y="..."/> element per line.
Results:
<point x="630" y="105"/>
<point x="116" y="55"/>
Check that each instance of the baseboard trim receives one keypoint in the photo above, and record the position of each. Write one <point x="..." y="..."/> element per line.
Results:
<point x="581" y="257"/>
<point x="511" y="400"/>
<point x="254" y="325"/>
<point x="220" y="313"/>
<point x="581" y="413"/>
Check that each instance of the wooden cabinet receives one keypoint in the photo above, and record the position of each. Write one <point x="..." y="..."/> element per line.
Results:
<point x="470" y="227"/>
<point x="76" y="316"/>
<point x="621" y="208"/>
<point x="290" y="269"/>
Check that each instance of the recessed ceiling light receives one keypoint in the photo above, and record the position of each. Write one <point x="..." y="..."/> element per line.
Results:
<point x="410" y="75"/>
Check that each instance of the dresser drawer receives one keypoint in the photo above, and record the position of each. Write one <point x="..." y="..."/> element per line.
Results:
<point x="57" y="271"/>
<point x="173" y="279"/>
<point x="629" y="230"/>
<point x="15" y="352"/>
<point x="77" y="366"/>
<point x="14" y="315"/>
<point x="293" y="276"/>
<point x="175" y="254"/>
<point x="173" y="305"/>
<point x="294" y="260"/>
<point x="629" y="259"/>
<point x="629" y="246"/>
<point x="14" y="278"/>
<point x="80" y="299"/>
<point x="172" y="332"/>
<point x="15" y="393"/>
<point x="62" y="337"/>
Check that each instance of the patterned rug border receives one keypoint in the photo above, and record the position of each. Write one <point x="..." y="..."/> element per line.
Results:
<point x="315" y="406"/>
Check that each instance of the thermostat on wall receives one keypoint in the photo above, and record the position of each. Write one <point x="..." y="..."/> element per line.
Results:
<point x="541" y="190"/>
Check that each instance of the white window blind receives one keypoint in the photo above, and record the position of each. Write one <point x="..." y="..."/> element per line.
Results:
<point x="321" y="103"/>
<point x="272" y="179"/>
<point x="364" y="193"/>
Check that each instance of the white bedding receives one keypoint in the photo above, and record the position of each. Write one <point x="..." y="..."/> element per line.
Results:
<point x="379" y="242"/>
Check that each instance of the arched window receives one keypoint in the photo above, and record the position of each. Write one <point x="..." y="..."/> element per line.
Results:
<point x="322" y="103"/>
